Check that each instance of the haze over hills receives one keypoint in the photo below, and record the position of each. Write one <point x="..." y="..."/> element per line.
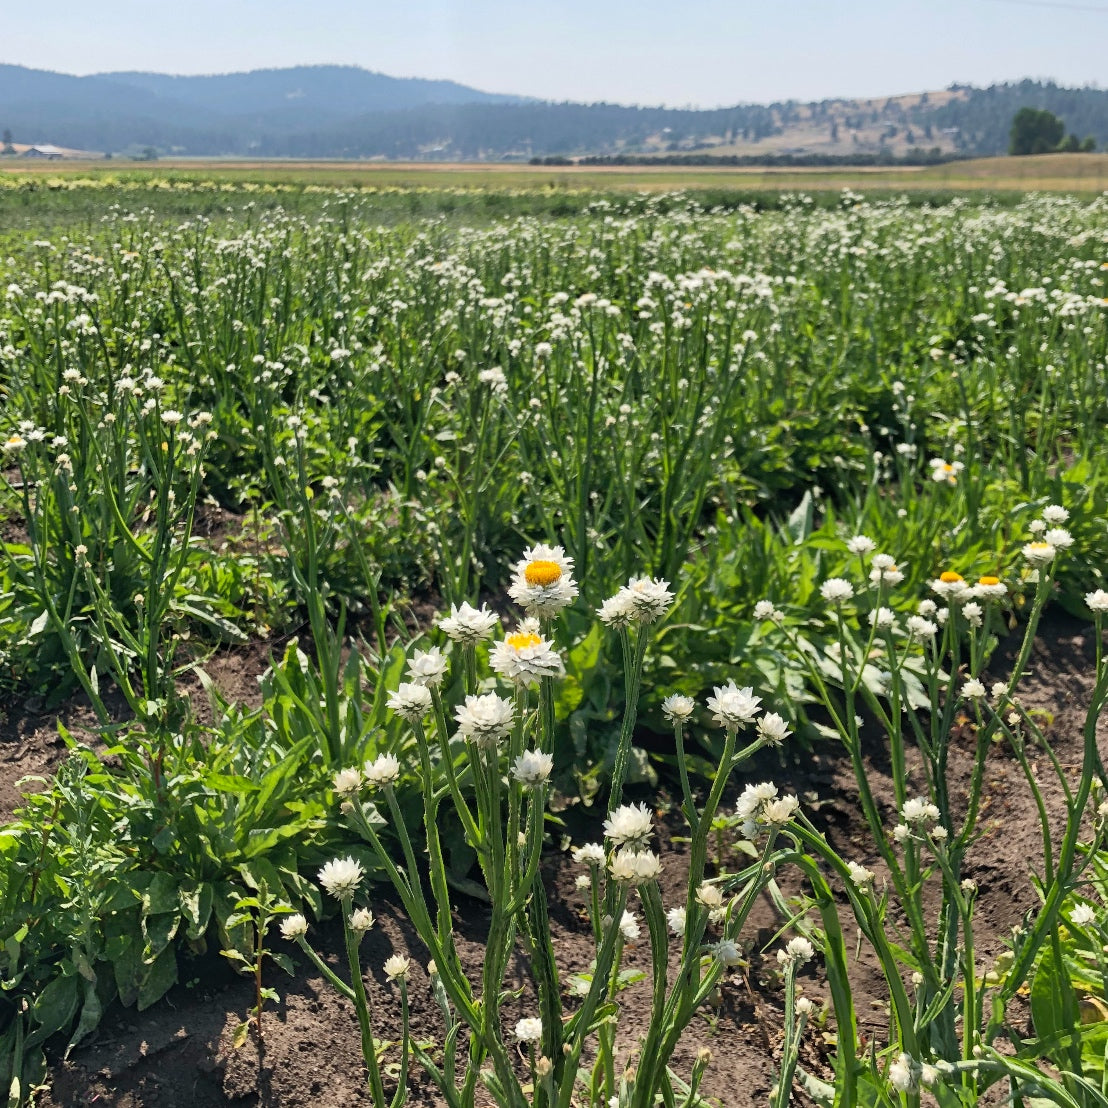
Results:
<point x="348" y="112"/>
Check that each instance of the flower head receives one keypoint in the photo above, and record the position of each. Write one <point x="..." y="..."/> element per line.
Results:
<point x="1039" y="553"/>
<point x="341" y="877"/>
<point x="396" y="966"/>
<point x="383" y="770"/>
<point x="635" y="866"/>
<point x="642" y="600"/>
<point x="485" y="719"/>
<point x="629" y="825"/>
<point x="411" y="701"/>
<point x="1097" y="601"/>
<point x="427" y="667"/>
<point x="361" y="920"/>
<point x="591" y="854"/>
<point x="529" y="1030"/>
<point x="798" y="951"/>
<point x="773" y="728"/>
<point x="836" y="590"/>
<point x="732" y="707"/>
<point x="347" y="782"/>
<point x="294" y="927"/>
<point x="861" y="545"/>
<point x="543" y="581"/>
<point x="468" y="625"/>
<point x="532" y="768"/>
<point x="678" y="708"/>
<point x="524" y="656"/>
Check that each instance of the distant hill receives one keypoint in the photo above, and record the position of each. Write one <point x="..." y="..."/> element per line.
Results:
<point x="347" y="112"/>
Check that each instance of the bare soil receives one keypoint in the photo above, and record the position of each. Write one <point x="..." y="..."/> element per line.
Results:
<point x="180" y="1052"/>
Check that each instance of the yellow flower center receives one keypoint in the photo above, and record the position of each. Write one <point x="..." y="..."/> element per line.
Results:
<point x="520" y="640"/>
<point x="989" y="581"/>
<point x="949" y="577"/>
<point x="542" y="572"/>
<point x="1040" y="546"/>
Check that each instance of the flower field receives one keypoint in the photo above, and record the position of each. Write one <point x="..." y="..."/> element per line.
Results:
<point x="596" y="650"/>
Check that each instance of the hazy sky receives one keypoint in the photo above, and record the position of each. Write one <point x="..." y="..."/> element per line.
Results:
<point x="700" y="52"/>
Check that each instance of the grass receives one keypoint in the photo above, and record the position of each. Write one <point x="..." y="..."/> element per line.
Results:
<point x="1083" y="173"/>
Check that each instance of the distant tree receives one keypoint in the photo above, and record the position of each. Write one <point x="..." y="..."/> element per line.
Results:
<point x="1088" y="144"/>
<point x="1071" y="144"/>
<point x="6" y="142"/>
<point x="1035" y="131"/>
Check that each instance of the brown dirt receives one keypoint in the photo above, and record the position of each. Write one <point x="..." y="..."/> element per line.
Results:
<point x="180" y="1052"/>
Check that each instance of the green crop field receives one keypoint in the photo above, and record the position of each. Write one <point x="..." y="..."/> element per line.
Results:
<point x="536" y="497"/>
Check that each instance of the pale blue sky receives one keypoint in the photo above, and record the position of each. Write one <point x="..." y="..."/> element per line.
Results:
<point x="701" y="52"/>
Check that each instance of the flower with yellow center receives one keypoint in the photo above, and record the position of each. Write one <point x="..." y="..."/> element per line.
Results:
<point x="950" y="577"/>
<point x="950" y="585"/>
<point x="989" y="587"/>
<point x="542" y="581"/>
<point x="524" y="656"/>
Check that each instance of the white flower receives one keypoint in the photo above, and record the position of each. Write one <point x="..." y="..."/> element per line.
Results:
<point x="361" y="920"/>
<point x="859" y="874"/>
<point x="170" y="416"/>
<point x="677" y="708"/>
<point x="950" y="585"/>
<point x="798" y="950"/>
<point x="347" y="782"/>
<point x="1082" y="915"/>
<point x="945" y="472"/>
<point x="805" y="1006"/>
<point x="583" y="882"/>
<point x="973" y="613"/>
<point x="989" y="588"/>
<point x="920" y="628"/>
<point x="882" y="618"/>
<point x="973" y="689"/>
<point x="383" y="770"/>
<point x="468" y="625"/>
<point x="675" y="917"/>
<point x="1039" y="553"/>
<point x="836" y="590"/>
<point x="776" y="813"/>
<point x="1036" y="526"/>
<point x="524" y="657"/>
<point x="532" y="768"/>
<point x="485" y="719"/>
<point x="919" y="810"/>
<point x="1059" y="538"/>
<point x="1055" y="513"/>
<point x="591" y="854"/>
<point x="410" y="701"/>
<point x="765" y="609"/>
<point x="885" y="570"/>
<point x="773" y="728"/>
<point x="861" y="545"/>
<point x="341" y="877"/>
<point x="629" y="927"/>
<point x="427" y="667"/>
<point x="733" y="707"/>
<point x="294" y="927"/>
<point x="396" y="966"/>
<point x="999" y="690"/>
<point x="616" y="611"/>
<point x="629" y="825"/>
<point x="1097" y="601"/>
<point x="727" y="952"/>
<point x="904" y="1074"/>
<point x="529" y="1030"/>
<point x="710" y="896"/>
<point x="927" y="608"/>
<point x="635" y="866"/>
<point x="543" y="580"/>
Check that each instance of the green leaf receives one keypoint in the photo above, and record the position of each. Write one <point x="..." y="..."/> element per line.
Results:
<point x="159" y="979"/>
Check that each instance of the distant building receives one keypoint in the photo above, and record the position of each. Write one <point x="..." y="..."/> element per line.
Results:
<point x="44" y="150"/>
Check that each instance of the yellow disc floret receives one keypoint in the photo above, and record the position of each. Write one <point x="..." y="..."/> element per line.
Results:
<point x="949" y="577"/>
<point x="989" y="582"/>
<point x="520" y="640"/>
<point x="542" y="572"/>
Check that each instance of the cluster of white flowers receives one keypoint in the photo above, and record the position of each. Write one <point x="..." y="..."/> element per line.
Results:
<point x="635" y="866"/>
<point x="797" y="951"/>
<point x="760" y="808"/>
<point x="643" y="600"/>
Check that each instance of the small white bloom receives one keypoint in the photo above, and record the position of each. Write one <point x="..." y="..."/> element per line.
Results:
<point x="1055" y="513"/>
<point x="764" y="610"/>
<point x="861" y="876"/>
<point x="861" y="545"/>
<point x="919" y="810"/>
<point x="383" y="770"/>
<point x="1082" y="915"/>
<point x="543" y="580"/>
<point x="347" y="782"/>
<point x="396" y="966"/>
<point x="920" y="628"/>
<point x="798" y="950"/>
<point x="675" y="917"/>
<point x="361" y="920"/>
<point x="973" y="689"/>
<point x="411" y="701"/>
<point x="904" y="1074"/>
<point x="733" y="707"/>
<point x="776" y="813"/>
<point x="524" y="656"/>
<point x="629" y="927"/>
<point x="485" y="719"/>
<point x="677" y="708"/>
<point x="727" y="952"/>
<point x="1059" y="538"/>
<point x="294" y="927"/>
<point x="532" y="768"/>
<point x="836" y="590"/>
<point x="629" y="825"/>
<point x="468" y="625"/>
<point x="773" y="728"/>
<point x="529" y="1030"/>
<point x="341" y="877"/>
<point x="1097" y="601"/>
<point x="591" y="854"/>
<point x="427" y="667"/>
<point x="710" y="896"/>
<point x="804" y="1006"/>
<point x="882" y="618"/>
<point x="1039" y="553"/>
